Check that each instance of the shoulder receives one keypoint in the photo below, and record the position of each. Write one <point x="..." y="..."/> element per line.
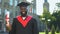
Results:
<point x="34" y="20"/>
<point x="14" y="18"/>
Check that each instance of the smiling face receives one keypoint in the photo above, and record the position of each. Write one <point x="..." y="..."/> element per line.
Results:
<point x="23" y="11"/>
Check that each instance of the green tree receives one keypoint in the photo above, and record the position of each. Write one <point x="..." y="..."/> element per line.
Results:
<point x="57" y="21"/>
<point x="47" y="15"/>
<point x="57" y="29"/>
<point x="53" y="30"/>
<point x="46" y="31"/>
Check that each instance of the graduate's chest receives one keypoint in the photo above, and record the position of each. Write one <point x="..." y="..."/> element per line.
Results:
<point x="22" y="22"/>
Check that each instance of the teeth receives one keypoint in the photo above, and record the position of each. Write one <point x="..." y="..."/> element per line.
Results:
<point x="23" y="12"/>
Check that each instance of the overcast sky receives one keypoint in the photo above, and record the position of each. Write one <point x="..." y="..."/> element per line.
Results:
<point x="39" y="6"/>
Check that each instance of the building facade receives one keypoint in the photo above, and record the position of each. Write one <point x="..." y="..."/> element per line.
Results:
<point x="11" y="6"/>
<point x="46" y="5"/>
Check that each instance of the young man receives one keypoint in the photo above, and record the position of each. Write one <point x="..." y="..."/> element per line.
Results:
<point x="23" y="24"/>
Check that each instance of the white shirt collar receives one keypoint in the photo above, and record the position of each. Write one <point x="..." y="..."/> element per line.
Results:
<point x="23" y="18"/>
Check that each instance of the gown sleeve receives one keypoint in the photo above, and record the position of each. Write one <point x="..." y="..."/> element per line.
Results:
<point x="13" y="30"/>
<point x="35" y="28"/>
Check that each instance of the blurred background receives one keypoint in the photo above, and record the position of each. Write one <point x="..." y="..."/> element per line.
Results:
<point x="46" y="12"/>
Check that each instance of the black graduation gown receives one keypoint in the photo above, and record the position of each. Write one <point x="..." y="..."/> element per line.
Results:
<point x="30" y="28"/>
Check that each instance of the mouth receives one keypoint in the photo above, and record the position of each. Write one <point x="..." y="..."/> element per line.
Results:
<point x="23" y="12"/>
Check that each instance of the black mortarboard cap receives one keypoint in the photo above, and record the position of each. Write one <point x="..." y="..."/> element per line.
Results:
<point x="23" y="4"/>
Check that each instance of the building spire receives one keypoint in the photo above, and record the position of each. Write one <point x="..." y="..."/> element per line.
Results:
<point x="45" y="0"/>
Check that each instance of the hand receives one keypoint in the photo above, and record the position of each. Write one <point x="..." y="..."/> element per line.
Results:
<point x="8" y="25"/>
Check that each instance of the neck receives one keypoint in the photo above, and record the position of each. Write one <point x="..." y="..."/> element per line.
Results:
<point x="24" y="16"/>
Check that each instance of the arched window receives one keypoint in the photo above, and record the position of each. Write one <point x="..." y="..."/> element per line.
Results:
<point x="0" y="25"/>
<point x="15" y="3"/>
<point x="29" y="1"/>
<point x="11" y="2"/>
<point x="0" y="11"/>
<point x="0" y="0"/>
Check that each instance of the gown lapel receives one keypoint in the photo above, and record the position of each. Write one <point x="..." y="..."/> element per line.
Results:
<point x="24" y="22"/>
